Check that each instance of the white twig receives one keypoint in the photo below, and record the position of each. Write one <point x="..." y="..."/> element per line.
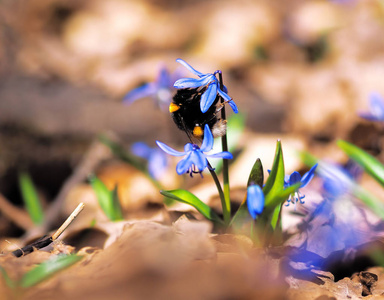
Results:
<point x="68" y="221"/>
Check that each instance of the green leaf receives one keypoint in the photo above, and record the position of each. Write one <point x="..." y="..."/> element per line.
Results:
<point x="274" y="191"/>
<point x="307" y="158"/>
<point x="257" y="174"/>
<point x="9" y="282"/>
<point x="116" y="210"/>
<point x="375" y="204"/>
<point x="276" y="215"/>
<point x="275" y="181"/>
<point x="377" y="255"/>
<point x="108" y="200"/>
<point x="30" y="198"/>
<point x="241" y="216"/>
<point x="370" y="164"/>
<point x="187" y="197"/>
<point x="46" y="269"/>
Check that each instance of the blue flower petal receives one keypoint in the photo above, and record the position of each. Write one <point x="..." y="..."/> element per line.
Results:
<point x="208" y="97"/>
<point x="189" y="67"/>
<point x="143" y="91"/>
<point x="185" y="164"/>
<point x="141" y="149"/>
<point x="224" y="154"/>
<point x="157" y="163"/>
<point x="193" y="82"/>
<point x="333" y="188"/>
<point x="188" y="147"/>
<point x="229" y="100"/>
<point x="295" y="177"/>
<point x="207" y="144"/>
<point x="255" y="200"/>
<point x="307" y="177"/>
<point x="169" y="150"/>
<point x="377" y="106"/>
<point x="224" y="95"/>
<point x="199" y="160"/>
<point x="368" y="116"/>
<point x="286" y="178"/>
<point x="233" y="105"/>
<point x="164" y="78"/>
<point x="336" y="179"/>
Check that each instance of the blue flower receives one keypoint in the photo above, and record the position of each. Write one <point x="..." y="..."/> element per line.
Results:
<point x="160" y="90"/>
<point x="255" y="200"/>
<point x="294" y="178"/>
<point x="157" y="160"/>
<point x="209" y="80"/>
<point x="195" y="160"/>
<point x="337" y="179"/>
<point x="376" y="108"/>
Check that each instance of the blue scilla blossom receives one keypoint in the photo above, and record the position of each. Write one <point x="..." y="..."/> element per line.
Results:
<point x="336" y="223"/>
<point x="209" y="80"/>
<point x="376" y="108"/>
<point x="195" y="160"/>
<point x="332" y="225"/>
<point x="255" y="200"/>
<point x="157" y="160"/>
<point x="160" y="90"/>
<point x="294" y="178"/>
<point x="337" y="179"/>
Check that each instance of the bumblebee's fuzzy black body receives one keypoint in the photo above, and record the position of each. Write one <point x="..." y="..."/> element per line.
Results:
<point x="187" y="115"/>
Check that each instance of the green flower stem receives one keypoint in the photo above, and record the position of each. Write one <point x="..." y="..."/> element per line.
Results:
<point x="227" y="201"/>
<point x="252" y="230"/>
<point x="226" y="213"/>
<point x="257" y="236"/>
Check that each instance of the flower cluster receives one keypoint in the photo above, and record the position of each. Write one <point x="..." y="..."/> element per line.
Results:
<point x="195" y="160"/>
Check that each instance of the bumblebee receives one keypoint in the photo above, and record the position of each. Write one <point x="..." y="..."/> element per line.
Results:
<point x="187" y="115"/>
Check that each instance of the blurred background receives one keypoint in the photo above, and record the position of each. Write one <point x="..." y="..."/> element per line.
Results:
<point x="296" y="68"/>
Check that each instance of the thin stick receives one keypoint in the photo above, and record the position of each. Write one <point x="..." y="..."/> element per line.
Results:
<point x="68" y="221"/>
<point x="47" y="240"/>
